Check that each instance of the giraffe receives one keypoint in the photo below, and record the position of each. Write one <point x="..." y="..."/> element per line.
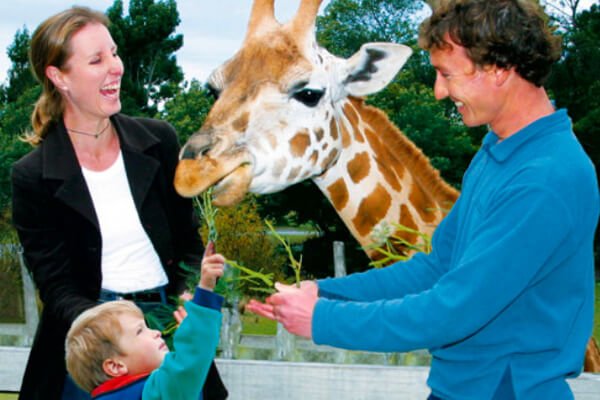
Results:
<point x="288" y="110"/>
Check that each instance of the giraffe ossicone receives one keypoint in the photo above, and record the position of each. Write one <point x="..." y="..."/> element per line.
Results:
<point x="288" y="110"/>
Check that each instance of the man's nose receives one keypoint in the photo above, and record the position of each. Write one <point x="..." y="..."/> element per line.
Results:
<point x="440" y="90"/>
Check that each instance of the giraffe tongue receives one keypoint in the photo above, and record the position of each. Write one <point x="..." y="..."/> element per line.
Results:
<point x="232" y="189"/>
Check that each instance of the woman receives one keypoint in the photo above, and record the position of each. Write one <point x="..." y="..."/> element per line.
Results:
<point x="93" y="203"/>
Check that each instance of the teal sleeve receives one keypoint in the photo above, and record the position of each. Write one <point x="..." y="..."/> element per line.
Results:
<point x="397" y="280"/>
<point x="512" y="246"/>
<point x="182" y="374"/>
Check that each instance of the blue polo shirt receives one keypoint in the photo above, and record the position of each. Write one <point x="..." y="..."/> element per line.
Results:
<point x="504" y="302"/>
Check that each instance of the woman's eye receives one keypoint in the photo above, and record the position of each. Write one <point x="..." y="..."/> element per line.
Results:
<point x="309" y="97"/>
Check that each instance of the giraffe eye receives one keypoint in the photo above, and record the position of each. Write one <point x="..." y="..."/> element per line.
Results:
<point x="309" y="97"/>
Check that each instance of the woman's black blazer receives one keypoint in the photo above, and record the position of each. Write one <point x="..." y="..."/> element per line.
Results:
<point x="58" y="229"/>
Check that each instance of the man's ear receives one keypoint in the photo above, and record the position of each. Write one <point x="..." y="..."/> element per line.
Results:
<point x="502" y="74"/>
<point x="114" y="367"/>
<point x="55" y="75"/>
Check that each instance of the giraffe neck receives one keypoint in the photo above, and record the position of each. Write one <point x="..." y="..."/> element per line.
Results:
<point x="381" y="177"/>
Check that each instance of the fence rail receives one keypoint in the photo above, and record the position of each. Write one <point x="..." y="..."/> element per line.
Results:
<point x="265" y="380"/>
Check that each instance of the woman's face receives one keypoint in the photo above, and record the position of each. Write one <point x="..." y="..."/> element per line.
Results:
<point x="91" y="77"/>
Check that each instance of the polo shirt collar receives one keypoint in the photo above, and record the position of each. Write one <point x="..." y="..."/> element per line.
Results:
<point x="557" y="121"/>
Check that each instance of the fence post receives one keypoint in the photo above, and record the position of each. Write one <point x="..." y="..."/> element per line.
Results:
<point x="339" y="261"/>
<point x="30" y="300"/>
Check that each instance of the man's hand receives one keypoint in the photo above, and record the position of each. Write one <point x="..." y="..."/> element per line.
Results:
<point x="291" y="306"/>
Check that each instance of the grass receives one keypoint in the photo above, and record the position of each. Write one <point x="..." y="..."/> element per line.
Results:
<point x="253" y="324"/>
<point x="8" y="396"/>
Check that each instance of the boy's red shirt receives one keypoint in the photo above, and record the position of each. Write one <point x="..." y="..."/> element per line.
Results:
<point x="117" y="383"/>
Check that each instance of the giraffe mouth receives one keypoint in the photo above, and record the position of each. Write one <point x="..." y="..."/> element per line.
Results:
<point x="230" y="185"/>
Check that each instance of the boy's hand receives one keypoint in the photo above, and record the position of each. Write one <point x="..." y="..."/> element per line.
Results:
<point x="179" y="314"/>
<point x="212" y="267"/>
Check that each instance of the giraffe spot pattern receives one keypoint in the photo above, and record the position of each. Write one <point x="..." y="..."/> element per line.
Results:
<point x="408" y="221"/>
<point x="386" y="164"/>
<point x="423" y="203"/>
<point x="279" y="166"/>
<point x="294" y="173"/>
<point x="241" y="123"/>
<point x="372" y="210"/>
<point x="272" y="140"/>
<point x="359" y="167"/>
<point x="334" y="129"/>
<point x="338" y="193"/>
<point x="354" y="119"/>
<point x="319" y="134"/>
<point x="329" y="159"/>
<point x="299" y="143"/>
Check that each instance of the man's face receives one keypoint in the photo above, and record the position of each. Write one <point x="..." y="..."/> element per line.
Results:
<point x="143" y="348"/>
<point x="471" y="88"/>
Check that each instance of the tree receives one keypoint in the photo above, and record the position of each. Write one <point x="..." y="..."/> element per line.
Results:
<point x="575" y="84"/>
<point x="146" y="45"/>
<point x="187" y="110"/>
<point x="20" y="77"/>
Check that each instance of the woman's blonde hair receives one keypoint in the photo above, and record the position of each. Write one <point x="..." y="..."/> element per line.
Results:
<point x="93" y="338"/>
<point x="50" y="45"/>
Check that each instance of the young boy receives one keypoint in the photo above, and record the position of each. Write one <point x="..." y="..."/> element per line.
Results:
<point x="111" y="353"/>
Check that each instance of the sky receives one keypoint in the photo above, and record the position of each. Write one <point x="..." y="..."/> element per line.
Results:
<point x="212" y="30"/>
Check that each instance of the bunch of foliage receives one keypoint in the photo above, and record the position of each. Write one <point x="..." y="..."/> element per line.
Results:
<point x="389" y="241"/>
<point x="243" y="241"/>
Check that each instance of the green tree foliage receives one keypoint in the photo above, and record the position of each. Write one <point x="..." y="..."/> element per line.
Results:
<point x="20" y="77"/>
<point x="188" y="109"/>
<point x="575" y="84"/>
<point x="146" y="44"/>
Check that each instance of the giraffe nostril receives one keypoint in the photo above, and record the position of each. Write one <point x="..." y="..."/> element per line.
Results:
<point x="191" y="152"/>
<point x="187" y="153"/>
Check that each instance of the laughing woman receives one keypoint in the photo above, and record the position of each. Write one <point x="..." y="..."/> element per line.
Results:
<point x="94" y="203"/>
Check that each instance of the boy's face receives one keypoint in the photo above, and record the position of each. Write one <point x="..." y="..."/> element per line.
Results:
<point x="143" y="348"/>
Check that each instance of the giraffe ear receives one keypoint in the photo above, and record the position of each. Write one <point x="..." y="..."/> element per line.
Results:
<point x="373" y="67"/>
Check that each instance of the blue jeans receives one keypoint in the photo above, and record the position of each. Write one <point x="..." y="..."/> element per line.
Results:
<point x="73" y="392"/>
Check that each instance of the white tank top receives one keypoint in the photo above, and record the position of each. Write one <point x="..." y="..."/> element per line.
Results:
<point x="129" y="261"/>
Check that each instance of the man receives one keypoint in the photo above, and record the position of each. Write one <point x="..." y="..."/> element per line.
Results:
<point x="504" y="302"/>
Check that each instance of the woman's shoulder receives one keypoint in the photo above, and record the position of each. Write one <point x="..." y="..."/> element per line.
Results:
<point x="30" y="165"/>
<point x="153" y="125"/>
<point x="147" y="130"/>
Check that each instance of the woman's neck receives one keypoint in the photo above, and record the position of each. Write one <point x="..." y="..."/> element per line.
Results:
<point x="96" y="143"/>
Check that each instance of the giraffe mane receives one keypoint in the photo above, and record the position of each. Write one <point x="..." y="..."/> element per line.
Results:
<point x="406" y="152"/>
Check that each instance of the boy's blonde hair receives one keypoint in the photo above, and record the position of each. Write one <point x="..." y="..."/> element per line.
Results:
<point x="93" y="338"/>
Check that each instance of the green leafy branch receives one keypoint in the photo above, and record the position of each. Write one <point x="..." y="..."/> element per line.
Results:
<point x="295" y="264"/>
<point x="208" y="213"/>
<point x="244" y="274"/>
<point x="389" y="243"/>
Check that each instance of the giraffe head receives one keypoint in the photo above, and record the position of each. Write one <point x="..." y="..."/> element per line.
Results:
<point x="276" y="120"/>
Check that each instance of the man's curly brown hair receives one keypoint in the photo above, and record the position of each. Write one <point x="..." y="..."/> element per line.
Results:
<point x="504" y="33"/>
